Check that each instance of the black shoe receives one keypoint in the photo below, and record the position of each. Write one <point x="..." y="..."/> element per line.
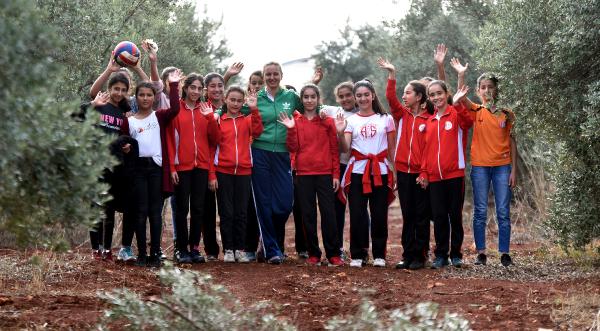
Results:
<point x="506" y="260"/>
<point x="196" y="257"/>
<point x="154" y="261"/>
<point x="183" y="257"/>
<point x="481" y="259"/>
<point x="403" y="265"/>
<point x="142" y="260"/>
<point x="416" y="265"/>
<point x="439" y="263"/>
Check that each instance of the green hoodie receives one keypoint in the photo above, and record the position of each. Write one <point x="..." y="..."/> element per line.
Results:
<point x="274" y="133"/>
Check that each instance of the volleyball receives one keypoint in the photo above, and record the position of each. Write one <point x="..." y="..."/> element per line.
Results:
<point x="126" y="53"/>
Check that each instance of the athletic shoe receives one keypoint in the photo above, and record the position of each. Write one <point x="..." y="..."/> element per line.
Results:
<point x="154" y="261"/>
<point x="125" y="254"/>
<point x="251" y="256"/>
<point x="481" y="259"/>
<point x="457" y="262"/>
<point x="183" y="257"/>
<point x="313" y="260"/>
<point x="97" y="255"/>
<point x="229" y="257"/>
<point x="195" y="257"/>
<point x="416" y="265"/>
<point x="275" y="260"/>
<point x="141" y="261"/>
<point x="379" y="262"/>
<point x="336" y="261"/>
<point x="161" y="255"/>
<point x="343" y="255"/>
<point x="506" y="260"/>
<point x="303" y="255"/>
<point x="211" y="258"/>
<point x="439" y="263"/>
<point x="241" y="257"/>
<point x="357" y="263"/>
<point x="403" y="265"/>
<point x="107" y="255"/>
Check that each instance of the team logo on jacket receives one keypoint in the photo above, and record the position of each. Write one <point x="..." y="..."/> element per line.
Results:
<point x="503" y="124"/>
<point x="286" y="106"/>
<point x="368" y="131"/>
<point x="448" y="126"/>
<point x="421" y="127"/>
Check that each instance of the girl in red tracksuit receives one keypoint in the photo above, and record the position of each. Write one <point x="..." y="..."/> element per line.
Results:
<point x="443" y="169"/>
<point x="231" y="170"/>
<point x="191" y="136"/>
<point x="410" y="142"/>
<point x="314" y="141"/>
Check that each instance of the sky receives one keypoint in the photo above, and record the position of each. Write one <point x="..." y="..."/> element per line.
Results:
<point x="258" y="32"/>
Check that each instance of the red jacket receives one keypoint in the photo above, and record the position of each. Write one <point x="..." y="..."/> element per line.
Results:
<point x="190" y="137"/>
<point x="233" y="148"/>
<point x="445" y="143"/>
<point x="315" y="144"/>
<point x="410" y="138"/>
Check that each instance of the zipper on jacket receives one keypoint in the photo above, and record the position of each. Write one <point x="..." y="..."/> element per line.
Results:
<point x="276" y="123"/>
<point x="412" y="134"/>
<point x="439" y="147"/>
<point x="195" y="145"/>
<point x="236" y="147"/>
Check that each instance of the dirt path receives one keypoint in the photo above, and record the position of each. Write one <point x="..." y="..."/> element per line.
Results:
<point x="62" y="294"/>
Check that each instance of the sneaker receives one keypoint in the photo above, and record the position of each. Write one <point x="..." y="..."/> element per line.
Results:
<point x="275" y="260"/>
<point x="97" y="255"/>
<point x="183" y="257"/>
<point x="229" y="257"/>
<point x="336" y="261"/>
<point x="211" y="258"/>
<point x="154" y="261"/>
<point x="161" y="255"/>
<point x="416" y="265"/>
<point x="251" y="256"/>
<point x="379" y="262"/>
<point x="506" y="260"/>
<point x="403" y="265"/>
<point x="125" y="255"/>
<point x="241" y="257"/>
<point x="481" y="259"/>
<point x="457" y="262"/>
<point x="439" y="263"/>
<point x="196" y="257"/>
<point x="343" y="255"/>
<point x="356" y="263"/>
<point x="141" y="260"/>
<point x="107" y="255"/>
<point x="303" y="255"/>
<point x="313" y="260"/>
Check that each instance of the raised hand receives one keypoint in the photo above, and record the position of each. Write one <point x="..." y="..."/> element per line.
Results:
<point x="251" y="99"/>
<point x="205" y="108"/>
<point x="385" y="64"/>
<point x="235" y="68"/>
<point x="439" y="54"/>
<point x="151" y="48"/>
<point x="101" y="99"/>
<point x="175" y="76"/>
<point x="459" y="68"/>
<point x="460" y="94"/>
<point x="318" y="75"/>
<point x="112" y="65"/>
<point x="287" y="121"/>
<point x="340" y="123"/>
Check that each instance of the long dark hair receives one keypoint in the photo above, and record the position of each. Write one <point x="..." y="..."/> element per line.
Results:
<point x="317" y="92"/>
<point x="377" y="106"/>
<point x="444" y="87"/>
<point x="120" y="77"/>
<point x="189" y="80"/>
<point x="419" y="88"/>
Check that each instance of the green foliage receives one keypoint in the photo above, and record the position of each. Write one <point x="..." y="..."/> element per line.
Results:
<point x="193" y="302"/>
<point x="91" y="29"/>
<point x="49" y="163"/>
<point x="546" y="53"/>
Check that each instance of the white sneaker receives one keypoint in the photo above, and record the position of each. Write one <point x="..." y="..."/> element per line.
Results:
<point x="229" y="257"/>
<point x="357" y="263"/>
<point x="241" y="257"/>
<point x="379" y="262"/>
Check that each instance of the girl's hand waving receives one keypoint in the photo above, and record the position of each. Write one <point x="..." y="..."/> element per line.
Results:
<point x="459" y="68"/>
<point x="101" y="99"/>
<point x="287" y="121"/>
<point x="175" y="76"/>
<point x="251" y="100"/>
<point x="385" y="64"/>
<point x="340" y="123"/>
<point x="205" y="109"/>
<point x="460" y="94"/>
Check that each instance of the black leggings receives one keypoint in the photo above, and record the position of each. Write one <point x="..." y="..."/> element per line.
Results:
<point x="102" y="232"/>
<point x="148" y="194"/>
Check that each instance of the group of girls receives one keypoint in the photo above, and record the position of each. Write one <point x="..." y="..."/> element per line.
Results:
<point x="200" y="143"/>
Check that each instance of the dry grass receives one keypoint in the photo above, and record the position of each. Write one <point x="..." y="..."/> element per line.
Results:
<point x="578" y="310"/>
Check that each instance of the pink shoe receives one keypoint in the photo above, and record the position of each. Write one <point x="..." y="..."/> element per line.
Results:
<point x="313" y="260"/>
<point x="336" y="261"/>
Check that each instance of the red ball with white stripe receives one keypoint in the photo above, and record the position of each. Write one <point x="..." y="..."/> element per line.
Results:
<point x="127" y="54"/>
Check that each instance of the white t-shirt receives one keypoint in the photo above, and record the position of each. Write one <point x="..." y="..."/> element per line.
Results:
<point x="332" y="111"/>
<point x="147" y="132"/>
<point x="369" y="136"/>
